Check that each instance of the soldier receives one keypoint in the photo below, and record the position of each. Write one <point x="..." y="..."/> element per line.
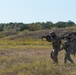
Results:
<point x="67" y="47"/>
<point x="73" y="42"/>
<point x="56" y="44"/>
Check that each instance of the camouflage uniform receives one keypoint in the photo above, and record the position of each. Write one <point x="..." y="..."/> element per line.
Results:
<point x="56" y="43"/>
<point x="72" y="37"/>
<point x="73" y="44"/>
<point x="68" y="48"/>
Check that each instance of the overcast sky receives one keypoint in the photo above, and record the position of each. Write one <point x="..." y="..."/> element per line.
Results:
<point x="28" y="11"/>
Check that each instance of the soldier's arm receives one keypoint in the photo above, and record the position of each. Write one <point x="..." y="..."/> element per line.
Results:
<point x="53" y="40"/>
<point x="63" y="46"/>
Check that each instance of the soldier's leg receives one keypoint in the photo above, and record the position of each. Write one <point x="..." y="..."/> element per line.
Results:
<point x="68" y="57"/>
<point x="56" y="56"/>
<point x="65" y="59"/>
<point x="52" y="55"/>
<point x="73" y="52"/>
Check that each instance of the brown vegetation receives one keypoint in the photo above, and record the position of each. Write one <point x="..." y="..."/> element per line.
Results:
<point x="25" y="54"/>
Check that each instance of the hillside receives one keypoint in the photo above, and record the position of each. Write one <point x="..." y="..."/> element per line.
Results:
<point x="35" y="34"/>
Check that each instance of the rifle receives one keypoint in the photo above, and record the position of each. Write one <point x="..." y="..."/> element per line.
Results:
<point x="47" y="37"/>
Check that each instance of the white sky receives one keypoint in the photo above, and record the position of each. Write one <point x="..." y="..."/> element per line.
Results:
<point x="28" y="11"/>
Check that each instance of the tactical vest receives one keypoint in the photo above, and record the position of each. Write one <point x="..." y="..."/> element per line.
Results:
<point x="56" y="43"/>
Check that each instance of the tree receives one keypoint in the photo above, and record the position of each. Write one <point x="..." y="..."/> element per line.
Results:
<point x="34" y="27"/>
<point x="70" y="23"/>
<point x="47" y="25"/>
<point x="60" y="24"/>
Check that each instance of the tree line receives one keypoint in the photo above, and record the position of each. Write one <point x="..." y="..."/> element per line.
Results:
<point x="34" y="26"/>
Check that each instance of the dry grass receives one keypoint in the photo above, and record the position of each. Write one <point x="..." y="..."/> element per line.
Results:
<point x="20" y="56"/>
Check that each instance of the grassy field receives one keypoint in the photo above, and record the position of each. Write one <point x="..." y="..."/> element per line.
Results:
<point x="31" y="57"/>
<point x="22" y="56"/>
